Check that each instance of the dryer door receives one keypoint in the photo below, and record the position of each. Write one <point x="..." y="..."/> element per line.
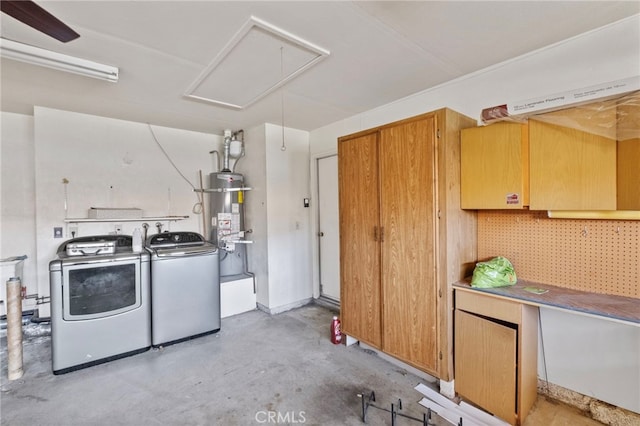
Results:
<point x="100" y="289"/>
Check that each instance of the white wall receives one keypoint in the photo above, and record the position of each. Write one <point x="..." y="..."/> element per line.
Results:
<point x="607" y="54"/>
<point x="290" y="281"/>
<point x="108" y="163"/>
<point x="117" y="163"/>
<point x="17" y="201"/>
<point x="591" y="356"/>
<point x="281" y="254"/>
<point x="254" y="168"/>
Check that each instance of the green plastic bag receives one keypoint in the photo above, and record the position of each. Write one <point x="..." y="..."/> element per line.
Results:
<point x="497" y="272"/>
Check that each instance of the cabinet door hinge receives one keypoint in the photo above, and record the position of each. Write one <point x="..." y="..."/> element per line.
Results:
<point x="438" y="214"/>
<point x="438" y="133"/>
<point x="440" y="293"/>
<point x="440" y="355"/>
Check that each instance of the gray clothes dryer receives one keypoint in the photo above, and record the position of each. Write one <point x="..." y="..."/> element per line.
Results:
<point x="100" y="304"/>
<point x="185" y="287"/>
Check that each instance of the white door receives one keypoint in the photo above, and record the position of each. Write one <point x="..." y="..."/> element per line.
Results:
<point x="328" y="234"/>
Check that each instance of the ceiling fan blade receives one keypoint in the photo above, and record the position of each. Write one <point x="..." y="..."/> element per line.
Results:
<point x="36" y="17"/>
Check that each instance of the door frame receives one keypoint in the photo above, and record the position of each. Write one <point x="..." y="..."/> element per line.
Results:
<point x="315" y="223"/>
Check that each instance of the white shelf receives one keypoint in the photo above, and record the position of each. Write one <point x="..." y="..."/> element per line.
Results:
<point x="138" y="219"/>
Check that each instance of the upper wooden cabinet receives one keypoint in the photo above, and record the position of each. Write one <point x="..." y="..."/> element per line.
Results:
<point x="628" y="135"/>
<point x="583" y="158"/>
<point x="495" y="166"/>
<point x="404" y="240"/>
<point x="571" y="169"/>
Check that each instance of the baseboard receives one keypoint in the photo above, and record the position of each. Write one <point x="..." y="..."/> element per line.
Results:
<point x="330" y="304"/>
<point x="394" y="361"/>
<point x="283" y="308"/>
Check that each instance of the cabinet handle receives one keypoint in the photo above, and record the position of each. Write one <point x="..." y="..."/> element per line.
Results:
<point x="375" y="233"/>
<point x="382" y="234"/>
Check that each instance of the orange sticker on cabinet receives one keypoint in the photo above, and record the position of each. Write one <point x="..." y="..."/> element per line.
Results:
<point x="513" y="198"/>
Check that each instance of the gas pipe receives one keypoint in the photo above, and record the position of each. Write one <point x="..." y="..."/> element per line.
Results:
<point x="336" y="335"/>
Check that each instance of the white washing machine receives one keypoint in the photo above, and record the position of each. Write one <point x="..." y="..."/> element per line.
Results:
<point x="185" y="287"/>
<point x="100" y="302"/>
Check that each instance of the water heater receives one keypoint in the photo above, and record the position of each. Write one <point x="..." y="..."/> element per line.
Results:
<point x="227" y="192"/>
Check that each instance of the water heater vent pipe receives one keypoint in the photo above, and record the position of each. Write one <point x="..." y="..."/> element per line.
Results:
<point x="227" y="144"/>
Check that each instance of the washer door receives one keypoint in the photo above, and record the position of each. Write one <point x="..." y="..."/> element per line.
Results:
<point x="101" y="289"/>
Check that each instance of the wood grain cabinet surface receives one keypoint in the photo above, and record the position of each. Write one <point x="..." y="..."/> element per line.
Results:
<point x="359" y="218"/>
<point x="538" y="165"/>
<point x="403" y="238"/>
<point x="583" y="158"/>
<point x="628" y="135"/>
<point x="486" y="363"/>
<point x="496" y="352"/>
<point x="571" y="169"/>
<point x="495" y="166"/>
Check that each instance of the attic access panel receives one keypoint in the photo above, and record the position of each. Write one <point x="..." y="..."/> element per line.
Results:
<point x="258" y="59"/>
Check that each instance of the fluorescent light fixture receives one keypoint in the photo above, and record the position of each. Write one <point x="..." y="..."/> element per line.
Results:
<point x="36" y="56"/>
<point x="595" y="214"/>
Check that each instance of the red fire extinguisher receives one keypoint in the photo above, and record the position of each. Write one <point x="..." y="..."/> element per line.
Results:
<point x="336" y="335"/>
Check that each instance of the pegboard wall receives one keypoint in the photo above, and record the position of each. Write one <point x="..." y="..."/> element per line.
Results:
<point x="599" y="256"/>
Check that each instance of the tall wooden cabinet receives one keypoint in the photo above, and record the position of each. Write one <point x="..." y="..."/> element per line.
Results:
<point x="403" y="238"/>
<point x="360" y="290"/>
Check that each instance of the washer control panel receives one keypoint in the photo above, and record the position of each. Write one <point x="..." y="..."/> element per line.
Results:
<point x="175" y="239"/>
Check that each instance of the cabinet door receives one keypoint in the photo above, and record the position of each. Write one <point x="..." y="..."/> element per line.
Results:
<point x="485" y="364"/>
<point x="628" y="136"/>
<point x="495" y="167"/>
<point x="407" y="199"/>
<point x="628" y="174"/>
<point x="571" y="169"/>
<point x="358" y="184"/>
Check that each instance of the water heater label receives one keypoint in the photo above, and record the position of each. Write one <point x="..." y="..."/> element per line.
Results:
<point x="228" y="223"/>
<point x="235" y="208"/>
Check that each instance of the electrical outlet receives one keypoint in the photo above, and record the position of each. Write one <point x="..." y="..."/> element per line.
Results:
<point x="118" y="228"/>
<point x="57" y="232"/>
<point x="72" y="231"/>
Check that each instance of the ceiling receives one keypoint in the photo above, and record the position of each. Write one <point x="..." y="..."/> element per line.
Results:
<point x="378" y="52"/>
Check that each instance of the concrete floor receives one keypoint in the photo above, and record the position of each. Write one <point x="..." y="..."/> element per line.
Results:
<point x="256" y="365"/>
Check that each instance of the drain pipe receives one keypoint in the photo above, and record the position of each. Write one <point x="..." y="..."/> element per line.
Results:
<point x="216" y="161"/>
<point x="14" y="317"/>
<point x="14" y="328"/>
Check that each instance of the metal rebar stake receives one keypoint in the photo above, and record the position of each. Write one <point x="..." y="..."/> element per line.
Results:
<point x="368" y="402"/>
